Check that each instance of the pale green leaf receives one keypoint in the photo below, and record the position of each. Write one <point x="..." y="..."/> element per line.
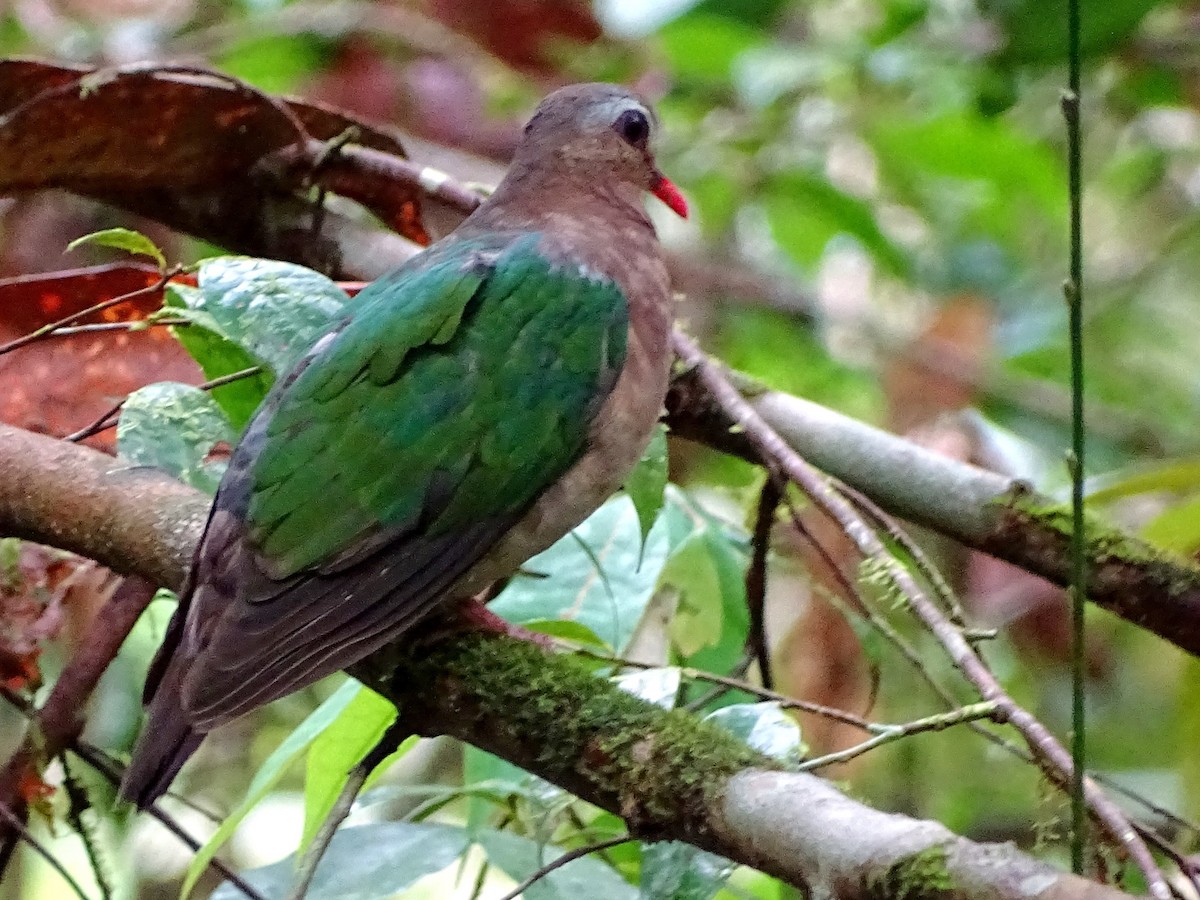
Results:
<point x="364" y="863"/>
<point x="763" y="726"/>
<point x="339" y="748"/>
<point x="175" y="427"/>
<point x="594" y="576"/>
<point x="648" y="481"/>
<point x="587" y="878"/>
<point x="123" y="239"/>
<point x="268" y="776"/>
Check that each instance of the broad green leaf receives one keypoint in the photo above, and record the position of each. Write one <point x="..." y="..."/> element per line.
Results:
<point x="647" y="482"/>
<point x="587" y="878"/>
<point x="247" y="312"/>
<point x="268" y="776"/>
<point x="364" y="862"/>
<point x="1177" y="528"/>
<point x="219" y="356"/>
<point x="339" y="748"/>
<point x="712" y="622"/>
<point x="274" y="62"/>
<point x="672" y="870"/>
<point x="658" y="686"/>
<point x="763" y="726"/>
<point x="594" y="576"/>
<point x="175" y="427"/>
<point x="489" y="774"/>
<point x="123" y="239"/>
<point x="1171" y="475"/>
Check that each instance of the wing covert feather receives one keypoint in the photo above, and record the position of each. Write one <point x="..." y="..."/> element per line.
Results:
<point x="374" y="478"/>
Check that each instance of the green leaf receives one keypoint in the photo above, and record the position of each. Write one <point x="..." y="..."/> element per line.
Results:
<point x="1170" y="475"/>
<point x="339" y="748"/>
<point x="587" y="878"/>
<point x="711" y="624"/>
<point x="576" y="632"/>
<point x="364" y="862"/>
<point x="275" y="63"/>
<point x="246" y="312"/>
<point x="123" y="239"/>
<point x="175" y="427"/>
<point x="1177" y="528"/>
<point x="593" y="576"/>
<point x="672" y="870"/>
<point x="765" y="727"/>
<point x="972" y="176"/>
<point x="647" y="482"/>
<point x="268" y="776"/>
<point x="490" y="777"/>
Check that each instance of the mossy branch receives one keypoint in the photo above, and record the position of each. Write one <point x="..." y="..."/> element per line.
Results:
<point x="667" y="774"/>
<point x="1001" y="516"/>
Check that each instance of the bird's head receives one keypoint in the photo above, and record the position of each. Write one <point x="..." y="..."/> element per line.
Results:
<point x="598" y="133"/>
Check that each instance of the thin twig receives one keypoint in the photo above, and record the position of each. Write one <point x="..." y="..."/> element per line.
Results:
<point x="756" y="580"/>
<point x="19" y="827"/>
<point x="51" y="327"/>
<point x="933" y="577"/>
<point x="569" y="856"/>
<point x="138" y="325"/>
<point x="838" y="715"/>
<point x="889" y="733"/>
<point x="307" y="867"/>
<point x="110" y="417"/>
<point x="61" y="717"/>
<point x="777" y="454"/>
<point x="79" y="803"/>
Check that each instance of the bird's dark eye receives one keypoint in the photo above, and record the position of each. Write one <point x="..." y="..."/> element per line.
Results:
<point x="634" y="127"/>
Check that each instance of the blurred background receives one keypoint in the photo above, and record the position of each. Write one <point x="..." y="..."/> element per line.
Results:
<point x="879" y="224"/>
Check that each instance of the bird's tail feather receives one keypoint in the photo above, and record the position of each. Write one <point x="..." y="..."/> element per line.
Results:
<point x="166" y="742"/>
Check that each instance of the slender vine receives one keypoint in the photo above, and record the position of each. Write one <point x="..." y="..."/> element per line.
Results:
<point x="1073" y="290"/>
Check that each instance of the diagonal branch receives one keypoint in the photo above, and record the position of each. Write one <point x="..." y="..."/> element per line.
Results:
<point x="777" y="456"/>
<point x="667" y="774"/>
<point x="1004" y="517"/>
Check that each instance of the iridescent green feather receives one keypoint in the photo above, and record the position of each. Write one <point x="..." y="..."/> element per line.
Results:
<point x="462" y="388"/>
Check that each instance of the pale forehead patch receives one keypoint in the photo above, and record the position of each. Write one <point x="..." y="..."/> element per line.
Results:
<point x="605" y="112"/>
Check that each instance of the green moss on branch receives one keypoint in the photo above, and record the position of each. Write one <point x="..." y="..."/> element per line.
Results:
<point x="655" y="768"/>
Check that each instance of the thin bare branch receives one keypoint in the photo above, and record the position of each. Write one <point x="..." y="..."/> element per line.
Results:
<point x="778" y="456"/>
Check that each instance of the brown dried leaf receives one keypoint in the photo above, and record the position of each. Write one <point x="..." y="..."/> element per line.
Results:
<point x="184" y="146"/>
<point x="524" y="33"/>
<point x="60" y="384"/>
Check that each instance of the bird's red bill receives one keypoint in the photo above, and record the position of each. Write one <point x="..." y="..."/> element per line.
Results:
<point x="665" y="191"/>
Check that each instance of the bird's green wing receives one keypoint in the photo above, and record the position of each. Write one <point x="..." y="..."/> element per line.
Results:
<point x="399" y="453"/>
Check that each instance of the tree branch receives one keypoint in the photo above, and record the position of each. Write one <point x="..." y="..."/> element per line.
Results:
<point x="667" y="774"/>
<point x="1001" y="516"/>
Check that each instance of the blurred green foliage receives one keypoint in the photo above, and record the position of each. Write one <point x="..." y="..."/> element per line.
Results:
<point x="891" y="158"/>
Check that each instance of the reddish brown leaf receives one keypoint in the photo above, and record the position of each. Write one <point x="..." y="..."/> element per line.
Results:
<point x="59" y="384"/>
<point x="202" y="144"/>
<point x="527" y="34"/>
